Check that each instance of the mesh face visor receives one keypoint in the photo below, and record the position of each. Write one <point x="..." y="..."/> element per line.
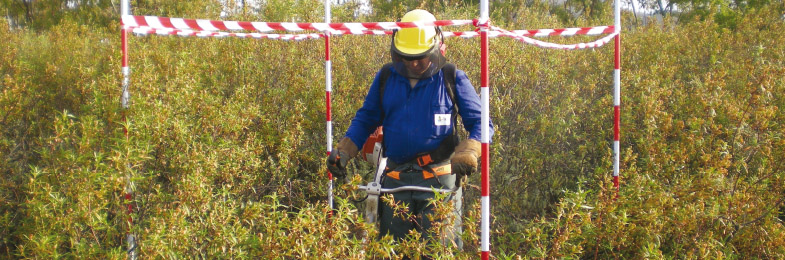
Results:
<point x="434" y="54"/>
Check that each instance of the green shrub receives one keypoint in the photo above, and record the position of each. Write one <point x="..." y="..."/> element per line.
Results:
<point x="225" y="143"/>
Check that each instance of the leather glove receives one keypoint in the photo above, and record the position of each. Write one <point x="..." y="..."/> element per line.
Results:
<point x="464" y="161"/>
<point x="340" y="156"/>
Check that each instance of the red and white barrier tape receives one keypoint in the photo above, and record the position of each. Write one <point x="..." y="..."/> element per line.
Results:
<point x="361" y="32"/>
<point x="602" y="41"/>
<point x="496" y="32"/>
<point x="219" y="34"/>
<point x="566" y="31"/>
<point x="131" y="21"/>
<point x="211" y="28"/>
<point x="299" y="37"/>
<point x="549" y="45"/>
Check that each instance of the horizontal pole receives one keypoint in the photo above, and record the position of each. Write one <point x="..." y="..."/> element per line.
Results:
<point x="407" y="188"/>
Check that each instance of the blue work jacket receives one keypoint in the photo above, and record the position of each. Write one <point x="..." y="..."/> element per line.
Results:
<point x="417" y="119"/>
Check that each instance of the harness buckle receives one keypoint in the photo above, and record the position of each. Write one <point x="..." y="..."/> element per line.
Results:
<point x="424" y="160"/>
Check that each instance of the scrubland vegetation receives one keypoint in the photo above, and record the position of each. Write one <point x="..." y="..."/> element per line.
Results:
<point x="226" y="138"/>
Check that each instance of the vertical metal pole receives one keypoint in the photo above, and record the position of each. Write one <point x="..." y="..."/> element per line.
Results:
<point x="125" y="7"/>
<point x="616" y="94"/>
<point x="485" y="121"/>
<point x="328" y="90"/>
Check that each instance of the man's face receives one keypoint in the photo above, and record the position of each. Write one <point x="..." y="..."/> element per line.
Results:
<point x="417" y="67"/>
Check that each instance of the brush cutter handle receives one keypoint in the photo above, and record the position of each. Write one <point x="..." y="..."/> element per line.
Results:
<point x="375" y="188"/>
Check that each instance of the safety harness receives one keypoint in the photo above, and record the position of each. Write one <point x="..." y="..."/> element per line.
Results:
<point x="447" y="147"/>
<point x="373" y="151"/>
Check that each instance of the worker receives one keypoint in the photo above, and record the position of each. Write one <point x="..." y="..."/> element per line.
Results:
<point x="415" y="105"/>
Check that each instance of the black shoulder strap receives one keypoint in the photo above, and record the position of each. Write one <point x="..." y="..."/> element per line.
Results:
<point x="449" y="77"/>
<point x="386" y="71"/>
<point x="449" y="81"/>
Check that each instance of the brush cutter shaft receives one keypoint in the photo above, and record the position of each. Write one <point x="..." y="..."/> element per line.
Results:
<point x="370" y="188"/>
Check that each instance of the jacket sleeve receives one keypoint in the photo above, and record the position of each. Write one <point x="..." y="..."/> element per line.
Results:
<point x="470" y="107"/>
<point x="368" y="117"/>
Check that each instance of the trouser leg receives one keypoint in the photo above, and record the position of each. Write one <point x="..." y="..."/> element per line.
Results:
<point x="451" y="232"/>
<point x="390" y="223"/>
<point x="419" y="205"/>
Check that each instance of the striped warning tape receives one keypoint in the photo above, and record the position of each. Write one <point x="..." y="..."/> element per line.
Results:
<point x="210" y="28"/>
<point x="180" y="32"/>
<point x="131" y="21"/>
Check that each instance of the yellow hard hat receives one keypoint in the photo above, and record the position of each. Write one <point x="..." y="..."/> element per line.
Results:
<point x="415" y="41"/>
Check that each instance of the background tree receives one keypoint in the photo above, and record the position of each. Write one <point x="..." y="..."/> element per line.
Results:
<point x="43" y="14"/>
<point x="726" y="13"/>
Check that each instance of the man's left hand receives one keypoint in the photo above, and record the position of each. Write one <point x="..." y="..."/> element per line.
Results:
<point x="464" y="161"/>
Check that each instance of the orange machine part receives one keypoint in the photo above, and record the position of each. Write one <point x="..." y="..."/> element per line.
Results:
<point x="374" y="138"/>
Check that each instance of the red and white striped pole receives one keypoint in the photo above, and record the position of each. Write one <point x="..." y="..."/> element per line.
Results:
<point x="328" y="90"/>
<point x="126" y="70"/>
<point x="125" y="7"/>
<point x="616" y="95"/>
<point x="485" y="121"/>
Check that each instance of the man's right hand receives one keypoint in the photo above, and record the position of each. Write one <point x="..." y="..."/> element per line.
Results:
<point x="340" y="156"/>
<point x="336" y="163"/>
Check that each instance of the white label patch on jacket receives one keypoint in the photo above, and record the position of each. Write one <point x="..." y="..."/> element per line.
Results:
<point x="441" y="119"/>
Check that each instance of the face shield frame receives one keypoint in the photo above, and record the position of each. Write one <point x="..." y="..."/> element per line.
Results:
<point x="434" y="53"/>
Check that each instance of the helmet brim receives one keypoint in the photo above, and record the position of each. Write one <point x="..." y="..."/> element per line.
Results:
<point x="412" y="53"/>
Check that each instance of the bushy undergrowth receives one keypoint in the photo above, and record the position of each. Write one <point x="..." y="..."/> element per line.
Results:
<point x="225" y="145"/>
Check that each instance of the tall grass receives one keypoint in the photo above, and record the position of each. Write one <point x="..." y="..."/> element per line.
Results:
<point x="226" y="145"/>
